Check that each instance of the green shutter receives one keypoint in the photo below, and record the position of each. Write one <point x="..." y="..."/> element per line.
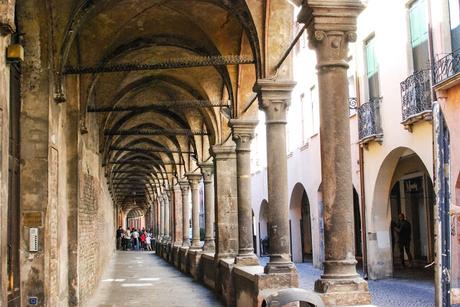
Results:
<point x="371" y="61"/>
<point x="418" y="23"/>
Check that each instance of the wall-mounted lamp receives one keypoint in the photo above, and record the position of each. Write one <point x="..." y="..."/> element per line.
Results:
<point x="15" y="53"/>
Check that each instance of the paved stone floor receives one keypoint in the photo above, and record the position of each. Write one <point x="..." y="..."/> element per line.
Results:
<point x="408" y="288"/>
<point x="143" y="279"/>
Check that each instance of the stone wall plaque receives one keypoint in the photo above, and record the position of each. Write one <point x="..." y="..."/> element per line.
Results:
<point x="32" y="219"/>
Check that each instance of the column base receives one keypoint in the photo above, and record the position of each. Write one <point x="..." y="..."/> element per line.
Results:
<point x="209" y="246"/>
<point x="186" y="243"/>
<point x="246" y="260"/>
<point x="252" y="285"/>
<point x="280" y="264"/>
<point x="343" y="292"/>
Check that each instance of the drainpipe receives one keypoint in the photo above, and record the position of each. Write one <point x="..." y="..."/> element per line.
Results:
<point x="431" y="49"/>
<point x="362" y="196"/>
<point x="438" y="167"/>
<point x="438" y="189"/>
<point x="363" y="211"/>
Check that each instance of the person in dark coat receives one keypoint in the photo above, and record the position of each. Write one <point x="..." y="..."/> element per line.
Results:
<point x="403" y="228"/>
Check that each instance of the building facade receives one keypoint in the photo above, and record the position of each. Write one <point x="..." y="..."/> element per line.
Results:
<point x="393" y="140"/>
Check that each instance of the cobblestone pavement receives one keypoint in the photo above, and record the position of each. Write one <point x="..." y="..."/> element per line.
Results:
<point x="408" y="288"/>
<point x="143" y="279"/>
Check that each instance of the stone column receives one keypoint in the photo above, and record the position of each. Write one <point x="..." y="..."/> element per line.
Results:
<point x="177" y="216"/>
<point x="167" y="223"/>
<point x="331" y="26"/>
<point x="243" y="133"/>
<point x="226" y="201"/>
<point x="156" y="206"/>
<point x="194" y="181"/>
<point x="162" y="216"/>
<point x="185" y="187"/>
<point x="207" y="170"/>
<point x="274" y="99"/>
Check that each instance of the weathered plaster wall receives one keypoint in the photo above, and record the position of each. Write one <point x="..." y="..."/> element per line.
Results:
<point x="4" y="104"/>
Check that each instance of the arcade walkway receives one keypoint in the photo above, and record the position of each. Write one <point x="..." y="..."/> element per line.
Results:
<point x="142" y="279"/>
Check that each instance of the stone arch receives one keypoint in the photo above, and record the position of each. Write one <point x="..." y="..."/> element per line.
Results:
<point x="135" y="217"/>
<point x="381" y="239"/>
<point x="301" y="224"/>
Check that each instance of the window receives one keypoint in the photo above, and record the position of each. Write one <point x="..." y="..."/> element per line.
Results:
<point x="418" y="20"/>
<point x="314" y="109"/>
<point x="372" y="70"/>
<point x="454" y="12"/>
<point x="303" y="119"/>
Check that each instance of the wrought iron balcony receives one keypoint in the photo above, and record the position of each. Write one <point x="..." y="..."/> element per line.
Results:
<point x="416" y="98"/>
<point x="446" y="68"/>
<point x="369" y="122"/>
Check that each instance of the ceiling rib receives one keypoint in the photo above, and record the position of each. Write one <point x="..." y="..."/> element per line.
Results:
<point x="163" y="105"/>
<point x="187" y="62"/>
<point x="145" y="131"/>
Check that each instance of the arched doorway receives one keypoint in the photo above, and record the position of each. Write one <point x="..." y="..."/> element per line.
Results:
<point x="403" y="186"/>
<point x="135" y="219"/>
<point x="412" y="195"/>
<point x="300" y="225"/>
<point x="305" y="226"/>
<point x="263" y="228"/>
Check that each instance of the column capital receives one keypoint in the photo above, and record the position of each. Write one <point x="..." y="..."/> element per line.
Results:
<point x="331" y="25"/>
<point x="193" y="179"/>
<point x="207" y="170"/>
<point x="274" y="98"/>
<point x="243" y="132"/>
<point x="184" y="185"/>
<point x="223" y="152"/>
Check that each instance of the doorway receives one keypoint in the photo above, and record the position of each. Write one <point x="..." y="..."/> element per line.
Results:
<point x="412" y="195"/>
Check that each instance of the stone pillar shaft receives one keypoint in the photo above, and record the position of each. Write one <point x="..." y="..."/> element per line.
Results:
<point x="226" y="201"/>
<point x="331" y="27"/>
<point x="207" y="170"/>
<point x="274" y="99"/>
<point x="194" y="181"/>
<point x="243" y="133"/>
<point x="167" y="216"/>
<point x="178" y="224"/>
<point x="185" y="212"/>
<point x="162" y="216"/>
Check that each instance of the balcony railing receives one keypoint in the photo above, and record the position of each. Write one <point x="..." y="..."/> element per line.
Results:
<point x="369" y="122"/>
<point x="446" y="67"/>
<point x="416" y="98"/>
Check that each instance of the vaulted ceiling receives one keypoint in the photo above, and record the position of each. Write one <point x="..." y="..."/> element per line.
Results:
<point x="160" y="78"/>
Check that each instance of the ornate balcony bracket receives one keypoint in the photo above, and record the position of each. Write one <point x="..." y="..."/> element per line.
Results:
<point x="369" y="122"/>
<point x="416" y="99"/>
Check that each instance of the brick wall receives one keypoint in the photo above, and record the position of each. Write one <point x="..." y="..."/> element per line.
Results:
<point x="87" y="230"/>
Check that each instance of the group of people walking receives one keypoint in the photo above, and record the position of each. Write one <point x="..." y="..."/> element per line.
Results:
<point x="134" y="239"/>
